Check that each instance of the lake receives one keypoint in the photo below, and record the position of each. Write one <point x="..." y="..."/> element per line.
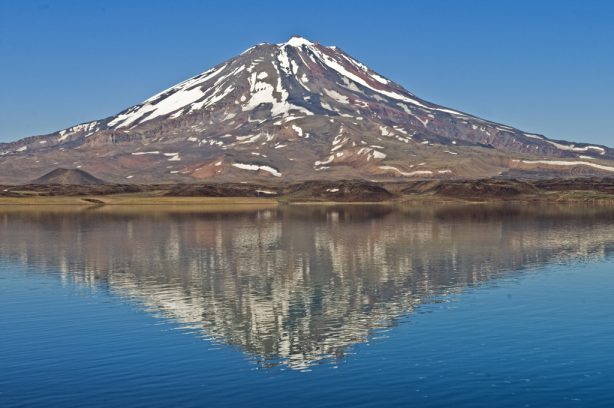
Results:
<point x="303" y="306"/>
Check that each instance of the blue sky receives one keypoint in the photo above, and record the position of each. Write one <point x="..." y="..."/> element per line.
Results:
<point x="542" y="66"/>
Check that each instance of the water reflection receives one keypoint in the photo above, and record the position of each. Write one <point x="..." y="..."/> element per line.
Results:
<point x="296" y="286"/>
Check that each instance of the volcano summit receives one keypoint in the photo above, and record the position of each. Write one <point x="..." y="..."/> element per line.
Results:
<point x="295" y="111"/>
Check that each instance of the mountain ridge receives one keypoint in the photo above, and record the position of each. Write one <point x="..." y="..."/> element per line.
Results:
<point x="296" y="110"/>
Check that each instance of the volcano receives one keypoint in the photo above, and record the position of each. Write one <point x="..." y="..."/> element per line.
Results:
<point x="295" y="111"/>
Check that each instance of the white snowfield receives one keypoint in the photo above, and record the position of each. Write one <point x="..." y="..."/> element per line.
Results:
<point x="255" y="167"/>
<point x="371" y="153"/>
<point x="337" y="96"/>
<point x="566" y="163"/>
<point x="89" y="128"/>
<point x="573" y="147"/>
<point x="296" y="41"/>
<point x="173" y="156"/>
<point x="327" y="161"/>
<point x="298" y="130"/>
<point x="407" y="174"/>
<point x="167" y="101"/>
<point x="215" y="84"/>
<point x="570" y="147"/>
<point x="263" y="92"/>
<point x="332" y="63"/>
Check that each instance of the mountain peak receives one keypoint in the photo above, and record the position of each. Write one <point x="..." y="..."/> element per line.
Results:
<point x="297" y="41"/>
<point x="296" y="111"/>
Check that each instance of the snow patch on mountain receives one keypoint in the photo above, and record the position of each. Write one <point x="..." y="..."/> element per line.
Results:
<point x="256" y="167"/>
<point x="88" y="128"/>
<point x="336" y="96"/>
<point x="297" y="41"/>
<point x="566" y="163"/>
<point x="407" y="174"/>
<point x="573" y="148"/>
<point x="298" y="130"/>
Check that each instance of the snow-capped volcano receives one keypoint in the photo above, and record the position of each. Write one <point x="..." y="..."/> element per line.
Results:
<point x="295" y="110"/>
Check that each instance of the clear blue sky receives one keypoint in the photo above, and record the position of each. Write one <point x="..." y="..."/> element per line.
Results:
<point x="543" y="66"/>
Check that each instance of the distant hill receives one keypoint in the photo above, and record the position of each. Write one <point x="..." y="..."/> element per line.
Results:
<point x="68" y="176"/>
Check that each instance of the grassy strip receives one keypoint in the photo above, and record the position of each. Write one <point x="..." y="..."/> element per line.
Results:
<point x="127" y="199"/>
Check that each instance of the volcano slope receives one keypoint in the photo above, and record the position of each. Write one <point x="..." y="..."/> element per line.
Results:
<point x="295" y="111"/>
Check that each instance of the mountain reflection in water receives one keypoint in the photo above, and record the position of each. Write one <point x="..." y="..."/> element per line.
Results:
<point x="296" y="285"/>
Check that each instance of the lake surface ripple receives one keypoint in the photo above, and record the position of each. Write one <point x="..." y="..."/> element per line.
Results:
<point x="307" y="306"/>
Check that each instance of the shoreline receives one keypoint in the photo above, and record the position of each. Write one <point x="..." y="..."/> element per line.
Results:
<point x="347" y="192"/>
<point x="102" y="201"/>
<point x="140" y="200"/>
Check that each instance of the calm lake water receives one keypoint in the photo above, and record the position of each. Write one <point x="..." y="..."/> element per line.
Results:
<point x="307" y="306"/>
